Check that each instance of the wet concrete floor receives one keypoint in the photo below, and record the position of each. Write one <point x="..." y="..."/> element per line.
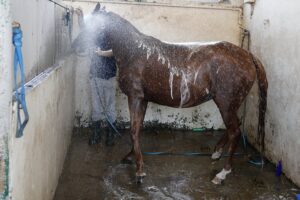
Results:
<point x="95" y="172"/>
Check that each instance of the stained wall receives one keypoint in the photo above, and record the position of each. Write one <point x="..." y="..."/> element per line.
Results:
<point x="275" y="40"/>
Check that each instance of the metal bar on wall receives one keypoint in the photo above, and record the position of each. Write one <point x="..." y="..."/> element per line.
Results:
<point x="201" y="6"/>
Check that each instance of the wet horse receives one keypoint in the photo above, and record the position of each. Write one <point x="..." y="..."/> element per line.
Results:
<point x="182" y="75"/>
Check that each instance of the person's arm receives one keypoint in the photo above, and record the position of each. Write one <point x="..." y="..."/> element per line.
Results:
<point x="79" y="13"/>
<point x="108" y="53"/>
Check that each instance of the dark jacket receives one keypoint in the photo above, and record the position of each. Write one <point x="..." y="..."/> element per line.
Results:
<point x="103" y="67"/>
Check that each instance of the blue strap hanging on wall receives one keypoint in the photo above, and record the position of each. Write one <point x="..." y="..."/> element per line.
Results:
<point x="19" y="93"/>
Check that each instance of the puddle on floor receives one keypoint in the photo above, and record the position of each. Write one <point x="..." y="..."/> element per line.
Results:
<point x="95" y="172"/>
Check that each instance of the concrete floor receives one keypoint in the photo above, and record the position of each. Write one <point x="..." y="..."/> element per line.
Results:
<point x="95" y="172"/>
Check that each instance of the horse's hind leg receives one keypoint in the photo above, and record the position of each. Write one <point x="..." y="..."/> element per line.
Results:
<point x="233" y="131"/>
<point x="137" y="109"/>
<point x="128" y="158"/>
<point x="230" y="118"/>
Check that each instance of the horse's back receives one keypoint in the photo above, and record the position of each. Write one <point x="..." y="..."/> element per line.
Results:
<point x="188" y="74"/>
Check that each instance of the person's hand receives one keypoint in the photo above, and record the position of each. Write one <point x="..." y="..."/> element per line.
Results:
<point x="78" y="11"/>
<point x="16" y="24"/>
<point x="98" y="51"/>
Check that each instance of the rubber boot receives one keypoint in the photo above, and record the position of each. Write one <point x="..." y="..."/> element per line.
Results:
<point x="110" y="136"/>
<point x="96" y="136"/>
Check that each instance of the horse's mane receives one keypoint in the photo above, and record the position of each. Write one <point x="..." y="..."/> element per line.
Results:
<point x="129" y="29"/>
<point x="121" y="21"/>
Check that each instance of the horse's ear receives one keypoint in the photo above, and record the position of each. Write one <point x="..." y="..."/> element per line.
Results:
<point x="97" y="8"/>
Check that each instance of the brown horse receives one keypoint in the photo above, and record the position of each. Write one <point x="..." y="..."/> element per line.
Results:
<point x="181" y="75"/>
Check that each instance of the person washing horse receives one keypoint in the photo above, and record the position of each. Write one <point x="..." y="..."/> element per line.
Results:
<point x="102" y="80"/>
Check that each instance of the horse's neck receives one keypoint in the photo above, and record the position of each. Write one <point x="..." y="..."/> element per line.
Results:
<point x="133" y="44"/>
<point x="124" y="37"/>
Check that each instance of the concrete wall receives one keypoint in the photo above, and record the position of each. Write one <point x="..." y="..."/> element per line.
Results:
<point x="229" y="3"/>
<point x="169" y="23"/>
<point x="275" y="39"/>
<point x="5" y="92"/>
<point x="38" y="20"/>
<point x="36" y="159"/>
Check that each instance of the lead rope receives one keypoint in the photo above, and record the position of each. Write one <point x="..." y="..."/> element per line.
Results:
<point x="19" y="93"/>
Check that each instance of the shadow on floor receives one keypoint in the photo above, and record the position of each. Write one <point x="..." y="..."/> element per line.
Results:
<point x="95" y="172"/>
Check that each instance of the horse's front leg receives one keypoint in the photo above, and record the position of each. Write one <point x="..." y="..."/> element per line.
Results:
<point x="219" y="148"/>
<point x="137" y="109"/>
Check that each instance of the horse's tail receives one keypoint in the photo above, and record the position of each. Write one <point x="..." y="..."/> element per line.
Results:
<point x="263" y="88"/>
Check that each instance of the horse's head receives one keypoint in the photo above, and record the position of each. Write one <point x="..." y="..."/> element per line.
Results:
<point x="92" y="31"/>
<point x="96" y="22"/>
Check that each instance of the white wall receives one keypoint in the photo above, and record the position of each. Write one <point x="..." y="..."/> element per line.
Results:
<point x="37" y="20"/>
<point x="229" y="3"/>
<point x="169" y="23"/>
<point x="37" y="158"/>
<point x="275" y="39"/>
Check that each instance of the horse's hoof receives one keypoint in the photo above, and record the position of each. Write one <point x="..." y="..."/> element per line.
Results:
<point x="217" y="181"/>
<point x="126" y="161"/>
<point x="221" y="176"/>
<point x="217" y="155"/>
<point x="140" y="177"/>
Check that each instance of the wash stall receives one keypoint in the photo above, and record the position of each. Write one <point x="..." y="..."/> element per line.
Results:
<point x="52" y="159"/>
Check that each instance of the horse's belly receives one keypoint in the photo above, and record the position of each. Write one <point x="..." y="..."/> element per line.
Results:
<point x="184" y="88"/>
<point x="165" y="100"/>
<point x="177" y="97"/>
